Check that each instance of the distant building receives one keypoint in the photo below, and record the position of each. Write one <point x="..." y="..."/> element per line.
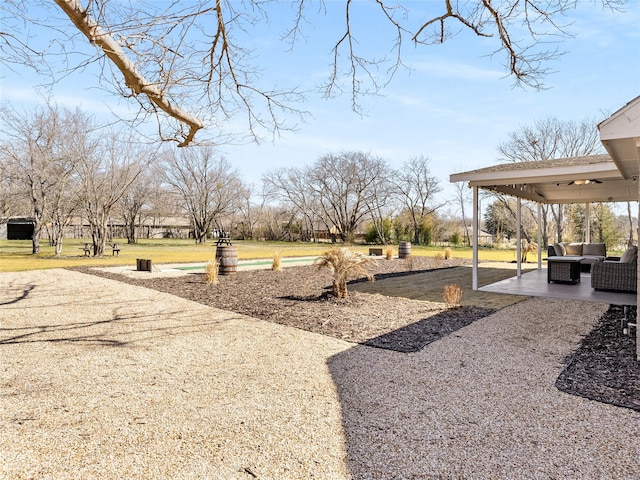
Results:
<point x="17" y="228"/>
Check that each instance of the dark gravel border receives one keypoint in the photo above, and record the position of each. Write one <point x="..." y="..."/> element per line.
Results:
<point x="604" y="368"/>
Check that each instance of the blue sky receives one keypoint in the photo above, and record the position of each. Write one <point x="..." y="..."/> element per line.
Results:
<point x="455" y="105"/>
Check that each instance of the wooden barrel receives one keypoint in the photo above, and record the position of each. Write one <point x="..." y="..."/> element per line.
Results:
<point x="404" y="249"/>
<point x="144" y="265"/>
<point x="227" y="258"/>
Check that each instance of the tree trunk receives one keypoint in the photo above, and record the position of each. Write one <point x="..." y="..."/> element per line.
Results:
<point x="57" y="238"/>
<point x="558" y="218"/>
<point x="131" y="232"/>
<point x="35" y="238"/>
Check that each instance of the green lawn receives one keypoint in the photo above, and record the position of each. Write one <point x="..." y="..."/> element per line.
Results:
<point x="15" y="255"/>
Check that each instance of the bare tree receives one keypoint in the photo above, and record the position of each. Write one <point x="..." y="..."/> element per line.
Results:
<point x="252" y="213"/>
<point x="500" y="219"/>
<point x="207" y="185"/>
<point x="275" y="217"/>
<point x="345" y="186"/>
<point x="383" y="204"/>
<point x="548" y="139"/>
<point x="416" y="189"/>
<point x="41" y="161"/>
<point x="188" y="65"/>
<point x="10" y="191"/>
<point x="291" y="186"/>
<point x="462" y="197"/>
<point x="138" y="195"/>
<point x="109" y="165"/>
<point x="31" y="156"/>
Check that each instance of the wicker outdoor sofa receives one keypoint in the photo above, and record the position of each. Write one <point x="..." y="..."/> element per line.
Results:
<point x="590" y="252"/>
<point x="620" y="275"/>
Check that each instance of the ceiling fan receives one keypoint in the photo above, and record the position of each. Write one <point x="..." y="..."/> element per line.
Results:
<point x="584" y="182"/>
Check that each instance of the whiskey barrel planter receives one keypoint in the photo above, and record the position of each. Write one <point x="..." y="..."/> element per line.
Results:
<point x="404" y="249"/>
<point x="227" y="258"/>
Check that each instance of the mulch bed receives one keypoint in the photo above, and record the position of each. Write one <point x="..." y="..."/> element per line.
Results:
<point x="604" y="368"/>
<point x="300" y="297"/>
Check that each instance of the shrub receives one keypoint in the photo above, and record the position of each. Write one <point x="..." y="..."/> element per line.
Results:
<point x="452" y="296"/>
<point x="455" y="238"/>
<point x="344" y="264"/>
<point x="372" y="235"/>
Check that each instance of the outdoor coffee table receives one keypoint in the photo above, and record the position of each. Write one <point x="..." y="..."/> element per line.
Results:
<point x="564" y="269"/>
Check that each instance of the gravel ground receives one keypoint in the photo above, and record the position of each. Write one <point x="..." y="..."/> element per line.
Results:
<point x="106" y="380"/>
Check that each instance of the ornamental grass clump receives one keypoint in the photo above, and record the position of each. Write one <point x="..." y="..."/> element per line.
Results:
<point x="408" y="263"/>
<point x="276" y="266"/>
<point x="344" y="265"/>
<point x="452" y="296"/>
<point x="211" y="272"/>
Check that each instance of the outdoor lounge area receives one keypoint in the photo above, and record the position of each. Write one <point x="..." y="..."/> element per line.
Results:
<point x="611" y="177"/>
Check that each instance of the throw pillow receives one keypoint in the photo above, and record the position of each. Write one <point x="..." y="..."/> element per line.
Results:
<point x="629" y="255"/>
<point x="559" y="249"/>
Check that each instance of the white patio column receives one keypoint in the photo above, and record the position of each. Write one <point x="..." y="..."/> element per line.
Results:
<point x="539" y="236"/>
<point x="476" y="234"/>
<point x="587" y="219"/>
<point x="518" y="238"/>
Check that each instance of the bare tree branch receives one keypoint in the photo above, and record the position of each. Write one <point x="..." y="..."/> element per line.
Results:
<point x="133" y="78"/>
<point x="190" y="65"/>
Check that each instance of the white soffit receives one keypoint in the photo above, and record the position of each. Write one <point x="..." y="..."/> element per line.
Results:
<point x="620" y="135"/>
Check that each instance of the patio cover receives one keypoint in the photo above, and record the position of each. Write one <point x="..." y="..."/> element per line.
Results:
<point x="589" y="179"/>
<point x="596" y="178"/>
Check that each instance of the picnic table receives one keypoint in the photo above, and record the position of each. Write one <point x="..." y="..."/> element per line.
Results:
<point x="223" y="241"/>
